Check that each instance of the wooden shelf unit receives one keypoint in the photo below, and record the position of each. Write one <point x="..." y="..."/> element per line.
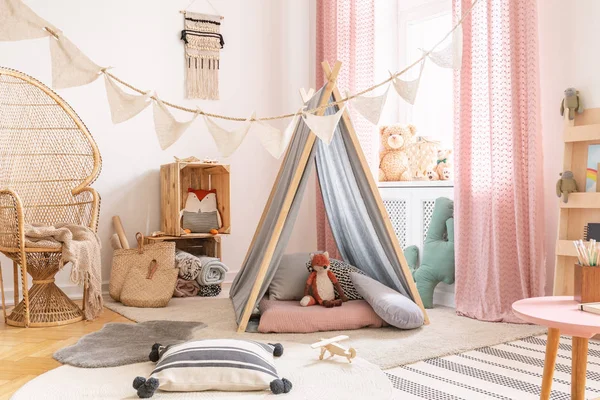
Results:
<point x="177" y="177"/>
<point x="582" y="207"/>
<point x="194" y="243"/>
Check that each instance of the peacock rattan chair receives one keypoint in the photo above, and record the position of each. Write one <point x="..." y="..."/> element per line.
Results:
<point x="47" y="160"/>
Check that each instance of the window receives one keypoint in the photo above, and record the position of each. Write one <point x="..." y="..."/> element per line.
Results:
<point x="421" y="27"/>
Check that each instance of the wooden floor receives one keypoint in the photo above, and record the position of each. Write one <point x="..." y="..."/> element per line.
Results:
<point x="27" y="353"/>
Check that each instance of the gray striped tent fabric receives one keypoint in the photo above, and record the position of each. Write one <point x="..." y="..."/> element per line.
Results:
<point x="200" y="222"/>
<point x="508" y="371"/>
<point x="216" y="364"/>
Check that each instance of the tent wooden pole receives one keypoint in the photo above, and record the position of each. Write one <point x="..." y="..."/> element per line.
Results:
<point x="412" y="287"/>
<point x="287" y="203"/>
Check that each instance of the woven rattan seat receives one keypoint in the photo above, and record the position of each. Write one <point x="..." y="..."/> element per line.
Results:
<point x="48" y="159"/>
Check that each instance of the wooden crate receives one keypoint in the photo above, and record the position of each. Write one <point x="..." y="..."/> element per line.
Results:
<point x="177" y="177"/>
<point x="198" y="244"/>
<point x="583" y="207"/>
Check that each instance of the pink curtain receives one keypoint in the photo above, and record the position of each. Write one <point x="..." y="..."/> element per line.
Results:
<point x="499" y="208"/>
<point x="345" y="32"/>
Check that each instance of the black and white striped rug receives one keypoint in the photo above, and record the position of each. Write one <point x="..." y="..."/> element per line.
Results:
<point x="507" y="371"/>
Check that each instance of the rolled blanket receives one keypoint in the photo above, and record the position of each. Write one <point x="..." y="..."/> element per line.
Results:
<point x="213" y="271"/>
<point x="209" y="291"/>
<point x="189" y="265"/>
<point x="185" y="288"/>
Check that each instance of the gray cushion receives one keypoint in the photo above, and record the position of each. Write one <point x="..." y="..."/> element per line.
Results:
<point x="290" y="278"/>
<point x="200" y="222"/>
<point x="394" y="308"/>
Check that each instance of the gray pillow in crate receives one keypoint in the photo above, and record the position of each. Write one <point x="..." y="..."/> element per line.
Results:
<point x="200" y="222"/>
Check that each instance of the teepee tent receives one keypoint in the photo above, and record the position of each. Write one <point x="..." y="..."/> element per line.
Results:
<point x="360" y="226"/>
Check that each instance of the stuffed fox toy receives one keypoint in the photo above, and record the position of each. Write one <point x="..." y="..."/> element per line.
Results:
<point x="320" y="284"/>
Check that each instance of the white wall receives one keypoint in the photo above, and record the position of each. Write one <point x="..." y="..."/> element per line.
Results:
<point x="267" y="57"/>
<point x="568" y="58"/>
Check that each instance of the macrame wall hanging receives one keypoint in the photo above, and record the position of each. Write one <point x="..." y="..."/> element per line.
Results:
<point x="203" y="44"/>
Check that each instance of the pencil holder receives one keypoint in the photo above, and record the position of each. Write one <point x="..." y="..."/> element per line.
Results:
<point x="587" y="284"/>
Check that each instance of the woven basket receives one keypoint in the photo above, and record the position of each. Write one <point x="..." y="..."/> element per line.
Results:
<point x="131" y="265"/>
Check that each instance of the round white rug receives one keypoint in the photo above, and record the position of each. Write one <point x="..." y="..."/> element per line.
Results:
<point x="311" y="379"/>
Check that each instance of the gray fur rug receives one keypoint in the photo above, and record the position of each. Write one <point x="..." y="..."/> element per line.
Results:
<point x="119" y="343"/>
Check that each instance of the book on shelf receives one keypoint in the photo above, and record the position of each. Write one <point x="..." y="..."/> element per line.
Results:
<point x="590" y="307"/>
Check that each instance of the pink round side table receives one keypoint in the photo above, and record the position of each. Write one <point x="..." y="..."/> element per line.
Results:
<point x="561" y="314"/>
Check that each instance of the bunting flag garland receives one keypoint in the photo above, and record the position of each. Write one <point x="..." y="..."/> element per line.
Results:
<point x="70" y="67"/>
<point x="203" y="42"/>
<point x="408" y="89"/>
<point x="168" y="129"/>
<point x="272" y="138"/>
<point x="19" y="22"/>
<point x="123" y="106"/>
<point x="227" y="141"/>
<point x="451" y="55"/>
<point x="324" y="126"/>
<point x="370" y="107"/>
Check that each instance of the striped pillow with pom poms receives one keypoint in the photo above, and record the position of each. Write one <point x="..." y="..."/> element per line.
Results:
<point x="214" y="364"/>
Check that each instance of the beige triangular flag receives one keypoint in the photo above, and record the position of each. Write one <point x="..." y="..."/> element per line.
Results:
<point x="273" y="139"/>
<point x="227" y="141"/>
<point x="408" y="89"/>
<point x="370" y="107"/>
<point x="70" y="67"/>
<point x="19" y="22"/>
<point x="451" y="55"/>
<point x="324" y="126"/>
<point x="123" y="106"/>
<point x="168" y="129"/>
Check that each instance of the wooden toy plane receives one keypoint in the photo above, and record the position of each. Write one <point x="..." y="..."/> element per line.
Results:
<point x="335" y="348"/>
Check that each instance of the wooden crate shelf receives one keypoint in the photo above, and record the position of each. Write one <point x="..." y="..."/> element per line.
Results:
<point x="582" y="208"/>
<point x="565" y="248"/>
<point x="175" y="180"/>
<point x="582" y="200"/>
<point x="582" y="133"/>
<point x="197" y="244"/>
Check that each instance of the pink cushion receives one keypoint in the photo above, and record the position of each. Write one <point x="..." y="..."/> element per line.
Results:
<point x="290" y="317"/>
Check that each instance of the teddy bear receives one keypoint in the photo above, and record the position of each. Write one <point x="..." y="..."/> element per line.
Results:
<point x="319" y="288"/>
<point x="443" y="169"/>
<point x="393" y="160"/>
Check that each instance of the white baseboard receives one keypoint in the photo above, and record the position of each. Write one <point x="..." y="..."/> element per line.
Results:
<point x="230" y="276"/>
<point x="444" y="295"/>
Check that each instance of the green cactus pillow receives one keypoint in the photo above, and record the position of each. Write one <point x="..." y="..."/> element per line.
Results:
<point x="438" y="252"/>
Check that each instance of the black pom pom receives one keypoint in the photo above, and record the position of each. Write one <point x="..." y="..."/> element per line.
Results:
<point x="287" y="385"/>
<point x="145" y="388"/>
<point x="279" y="386"/>
<point x="277" y="349"/>
<point x="152" y="383"/>
<point x="154" y="354"/>
<point x="139" y="381"/>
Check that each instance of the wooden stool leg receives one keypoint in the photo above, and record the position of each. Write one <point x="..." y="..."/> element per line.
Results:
<point x="16" y="282"/>
<point x="549" y="362"/>
<point x="579" y="368"/>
